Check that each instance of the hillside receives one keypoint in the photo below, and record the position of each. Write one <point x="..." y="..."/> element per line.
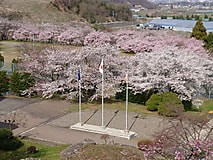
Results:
<point x="95" y="11"/>
<point x="33" y="11"/>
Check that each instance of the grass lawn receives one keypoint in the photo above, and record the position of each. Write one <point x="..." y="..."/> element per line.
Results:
<point x="44" y="152"/>
<point x="121" y="105"/>
<point x="138" y="108"/>
<point x="207" y="106"/>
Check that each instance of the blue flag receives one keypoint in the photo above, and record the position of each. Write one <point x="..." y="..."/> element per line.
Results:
<point x="79" y="75"/>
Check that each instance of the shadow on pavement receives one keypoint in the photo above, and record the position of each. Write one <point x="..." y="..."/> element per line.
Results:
<point x="1" y="98"/>
<point x="91" y="116"/>
<point x="135" y="118"/>
<point x="115" y="114"/>
<point x="5" y="125"/>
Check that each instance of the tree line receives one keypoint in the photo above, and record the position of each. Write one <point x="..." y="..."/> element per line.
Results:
<point x="187" y="17"/>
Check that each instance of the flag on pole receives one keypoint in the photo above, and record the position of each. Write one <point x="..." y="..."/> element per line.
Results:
<point x="126" y="78"/>
<point x="101" y="68"/>
<point x="79" y="75"/>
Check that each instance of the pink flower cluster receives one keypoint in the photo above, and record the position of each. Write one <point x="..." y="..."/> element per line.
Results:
<point x="26" y="33"/>
<point x="196" y="149"/>
<point x="52" y="34"/>
<point x="157" y="148"/>
<point x="97" y="38"/>
<point x="137" y="41"/>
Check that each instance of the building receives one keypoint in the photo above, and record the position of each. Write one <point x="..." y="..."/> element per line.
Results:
<point x="180" y="25"/>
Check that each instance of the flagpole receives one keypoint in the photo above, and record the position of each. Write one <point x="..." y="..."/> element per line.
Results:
<point x="102" y="122"/>
<point x="127" y="103"/>
<point x="80" y="97"/>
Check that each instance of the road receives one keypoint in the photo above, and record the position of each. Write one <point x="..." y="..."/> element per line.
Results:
<point x="10" y="104"/>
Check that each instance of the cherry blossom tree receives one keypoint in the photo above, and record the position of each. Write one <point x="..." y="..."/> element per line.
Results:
<point x="26" y="33"/>
<point x="49" y="35"/>
<point x="97" y="38"/>
<point x="7" y="28"/>
<point x="65" y="34"/>
<point x="170" y="69"/>
<point x="56" y="69"/>
<point x="74" y="35"/>
<point x="164" y="61"/>
<point x="162" y="70"/>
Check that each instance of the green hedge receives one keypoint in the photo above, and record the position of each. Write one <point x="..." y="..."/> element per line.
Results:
<point x="167" y="104"/>
<point x="153" y="102"/>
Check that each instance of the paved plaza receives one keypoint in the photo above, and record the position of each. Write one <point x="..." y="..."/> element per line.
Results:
<point x="50" y="121"/>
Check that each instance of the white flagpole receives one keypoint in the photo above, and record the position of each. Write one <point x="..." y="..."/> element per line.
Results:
<point x="127" y="102"/>
<point x="80" y="98"/>
<point x="102" y="123"/>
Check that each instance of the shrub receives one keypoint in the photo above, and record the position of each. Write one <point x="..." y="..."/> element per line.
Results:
<point x="31" y="150"/>
<point x="153" y="102"/>
<point x="170" y="105"/>
<point x="144" y="142"/>
<point x="187" y="105"/>
<point x="8" y="141"/>
<point x="5" y="133"/>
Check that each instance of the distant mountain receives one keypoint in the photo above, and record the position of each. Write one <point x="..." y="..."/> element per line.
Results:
<point x="145" y="3"/>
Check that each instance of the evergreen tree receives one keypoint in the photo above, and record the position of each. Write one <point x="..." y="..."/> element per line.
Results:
<point x="199" y="31"/>
<point x="188" y="18"/>
<point x="20" y="82"/>
<point x="197" y="17"/>
<point x="206" y="17"/>
<point x="208" y="41"/>
<point x="4" y="84"/>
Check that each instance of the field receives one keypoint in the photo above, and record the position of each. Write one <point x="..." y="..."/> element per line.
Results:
<point x="121" y="105"/>
<point x="9" y="51"/>
<point x="207" y="106"/>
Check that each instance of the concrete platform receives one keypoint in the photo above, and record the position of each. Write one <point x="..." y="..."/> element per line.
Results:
<point x="103" y="130"/>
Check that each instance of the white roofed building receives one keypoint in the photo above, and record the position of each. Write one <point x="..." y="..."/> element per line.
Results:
<point x="180" y="25"/>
